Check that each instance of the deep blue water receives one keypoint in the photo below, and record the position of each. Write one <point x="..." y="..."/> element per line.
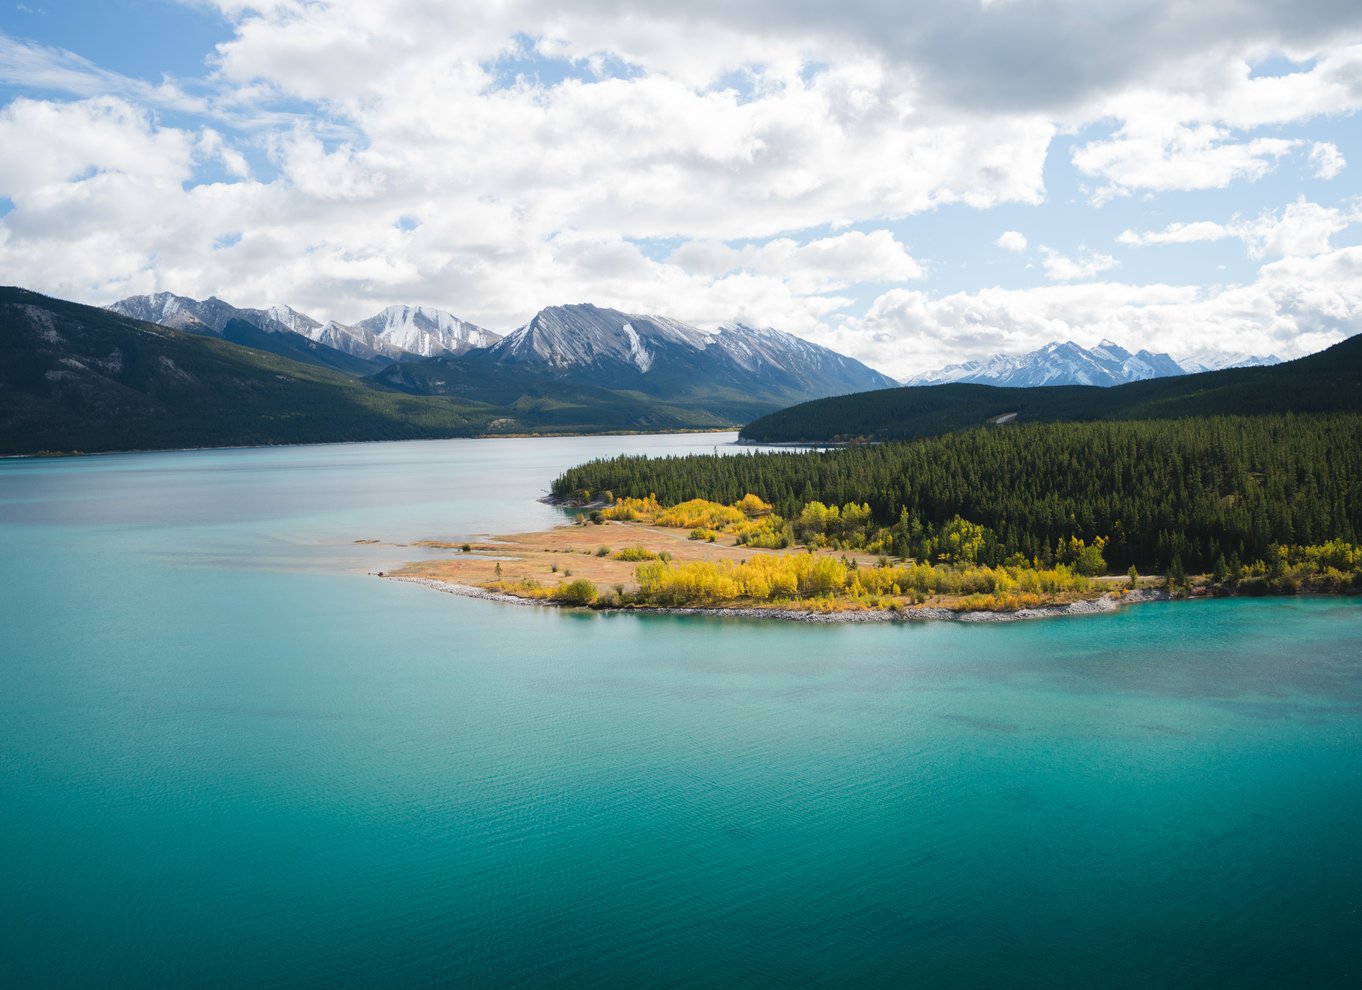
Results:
<point x="229" y="758"/>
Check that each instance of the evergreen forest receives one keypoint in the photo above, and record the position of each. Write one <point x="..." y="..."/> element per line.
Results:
<point x="1197" y="494"/>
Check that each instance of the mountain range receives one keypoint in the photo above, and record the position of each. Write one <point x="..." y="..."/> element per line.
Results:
<point x="639" y="365"/>
<point x="1069" y="363"/>
<point x="579" y="367"/>
<point x="396" y="333"/>
<point x="166" y="370"/>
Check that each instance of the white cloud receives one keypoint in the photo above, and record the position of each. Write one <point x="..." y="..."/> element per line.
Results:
<point x="1295" y="306"/>
<point x="33" y="65"/>
<point x="509" y="182"/>
<point x="1059" y="268"/>
<point x="212" y="147"/>
<point x="1300" y="229"/>
<point x="1178" y="233"/>
<point x="1327" y="159"/>
<point x="1189" y="128"/>
<point x="731" y="131"/>
<point x="1202" y="156"/>
<point x="818" y="266"/>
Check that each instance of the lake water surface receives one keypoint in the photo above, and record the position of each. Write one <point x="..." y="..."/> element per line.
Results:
<point x="229" y="757"/>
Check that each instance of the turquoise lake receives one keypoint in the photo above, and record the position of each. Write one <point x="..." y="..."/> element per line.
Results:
<point x="230" y="757"/>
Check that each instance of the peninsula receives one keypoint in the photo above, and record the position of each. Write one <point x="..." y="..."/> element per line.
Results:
<point x="824" y="565"/>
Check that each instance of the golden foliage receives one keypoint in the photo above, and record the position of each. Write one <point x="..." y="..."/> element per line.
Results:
<point x="699" y="514"/>
<point x="633" y="509"/>
<point x="821" y="576"/>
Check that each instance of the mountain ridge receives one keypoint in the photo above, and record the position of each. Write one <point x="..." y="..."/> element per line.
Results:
<point x="389" y="335"/>
<point x="75" y="377"/>
<point x="565" y="351"/>
<point x="1069" y="363"/>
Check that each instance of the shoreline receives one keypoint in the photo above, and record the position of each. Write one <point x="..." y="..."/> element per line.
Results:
<point x="671" y="562"/>
<point x="1103" y="605"/>
<point x="53" y="454"/>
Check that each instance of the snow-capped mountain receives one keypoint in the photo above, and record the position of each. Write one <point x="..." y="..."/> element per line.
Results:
<point x="1058" y="364"/>
<point x="570" y="362"/>
<point x="356" y="341"/>
<point x="299" y="323"/>
<point x="395" y="333"/>
<point x="427" y="332"/>
<point x="1194" y="363"/>
<point x="210" y="315"/>
<point x="582" y="364"/>
<point x="776" y="355"/>
<point x="583" y="336"/>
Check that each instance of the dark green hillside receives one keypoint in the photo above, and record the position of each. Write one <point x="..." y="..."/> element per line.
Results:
<point x="1194" y="489"/>
<point x="296" y="347"/>
<point x="1329" y="381"/>
<point x="677" y="395"/>
<point x="76" y="377"/>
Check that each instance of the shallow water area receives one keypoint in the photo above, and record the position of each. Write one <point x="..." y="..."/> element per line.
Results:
<point x="230" y="757"/>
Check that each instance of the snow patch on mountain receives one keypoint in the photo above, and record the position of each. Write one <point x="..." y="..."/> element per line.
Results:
<point x="355" y="341"/>
<point x="638" y="354"/>
<point x="426" y="332"/>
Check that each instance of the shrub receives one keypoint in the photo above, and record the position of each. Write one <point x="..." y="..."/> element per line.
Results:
<point x="633" y="509"/>
<point x="698" y="513"/>
<point x="578" y="592"/>
<point x="751" y="506"/>
<point x="635" y="553"/>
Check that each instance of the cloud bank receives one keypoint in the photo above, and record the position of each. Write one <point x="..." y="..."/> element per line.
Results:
<point x="765" y="161"/>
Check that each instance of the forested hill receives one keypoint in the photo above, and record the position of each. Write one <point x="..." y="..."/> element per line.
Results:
<point x="1330" y="381"/>
<point x="75" y="377"/>
<point x="1193" y="490"/>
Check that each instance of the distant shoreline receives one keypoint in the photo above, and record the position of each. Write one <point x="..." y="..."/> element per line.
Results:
<point x="53" y="454"/>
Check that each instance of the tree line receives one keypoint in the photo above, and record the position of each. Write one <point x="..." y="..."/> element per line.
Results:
<point x="1190" y="494"/>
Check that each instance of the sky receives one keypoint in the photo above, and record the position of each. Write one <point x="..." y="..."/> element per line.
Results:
<point x="911" y="184"/>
